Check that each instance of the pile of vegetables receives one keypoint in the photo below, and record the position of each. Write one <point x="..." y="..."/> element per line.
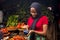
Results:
<point x="17" y="37"/>
<point x="12" y="20"/>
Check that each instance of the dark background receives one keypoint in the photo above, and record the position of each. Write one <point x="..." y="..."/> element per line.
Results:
<point x="9" y="7"/>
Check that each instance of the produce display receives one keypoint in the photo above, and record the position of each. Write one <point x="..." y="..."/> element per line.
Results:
<point x="20" y="35"/>
<point x="14" y="29"/>
<point x="17" y="37"/>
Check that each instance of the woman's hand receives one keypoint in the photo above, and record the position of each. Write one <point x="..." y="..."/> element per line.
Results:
<point x="30" y="31"/>
<point x="25" y="27"/>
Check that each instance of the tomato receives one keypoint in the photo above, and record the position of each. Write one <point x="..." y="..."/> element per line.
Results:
<point x="18" y="25"/>
<point x="4" y="30"/>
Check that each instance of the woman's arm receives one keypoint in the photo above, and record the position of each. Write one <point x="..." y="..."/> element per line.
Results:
<point x="45" y="26"/>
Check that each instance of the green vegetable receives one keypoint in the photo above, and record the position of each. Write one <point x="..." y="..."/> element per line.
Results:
<point x="12" y="20"/>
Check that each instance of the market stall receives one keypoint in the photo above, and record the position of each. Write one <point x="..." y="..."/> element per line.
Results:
<point x="14" y="30"/>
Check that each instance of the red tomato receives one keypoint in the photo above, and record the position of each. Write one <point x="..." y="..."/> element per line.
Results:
<point x="4" y="30"/>
<point x="18" y="25"/>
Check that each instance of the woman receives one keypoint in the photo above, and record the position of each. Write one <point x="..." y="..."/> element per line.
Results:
<point x="37" y="23"/>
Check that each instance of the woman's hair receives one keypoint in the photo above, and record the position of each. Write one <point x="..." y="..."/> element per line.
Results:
<point x="37" y="6"/>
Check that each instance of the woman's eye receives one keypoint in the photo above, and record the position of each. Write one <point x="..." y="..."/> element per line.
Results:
<point x="33" y="12"/>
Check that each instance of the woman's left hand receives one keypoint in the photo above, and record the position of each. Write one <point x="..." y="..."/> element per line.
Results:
<point x="30" y="31"/>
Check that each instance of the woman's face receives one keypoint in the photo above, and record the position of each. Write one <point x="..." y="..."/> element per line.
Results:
<point x="33" y="12"/>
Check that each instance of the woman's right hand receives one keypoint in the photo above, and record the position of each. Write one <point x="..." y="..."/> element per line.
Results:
<point x="25" y="27"/>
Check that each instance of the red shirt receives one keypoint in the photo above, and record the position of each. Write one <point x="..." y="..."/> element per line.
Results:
<point x="39" y="25"/>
